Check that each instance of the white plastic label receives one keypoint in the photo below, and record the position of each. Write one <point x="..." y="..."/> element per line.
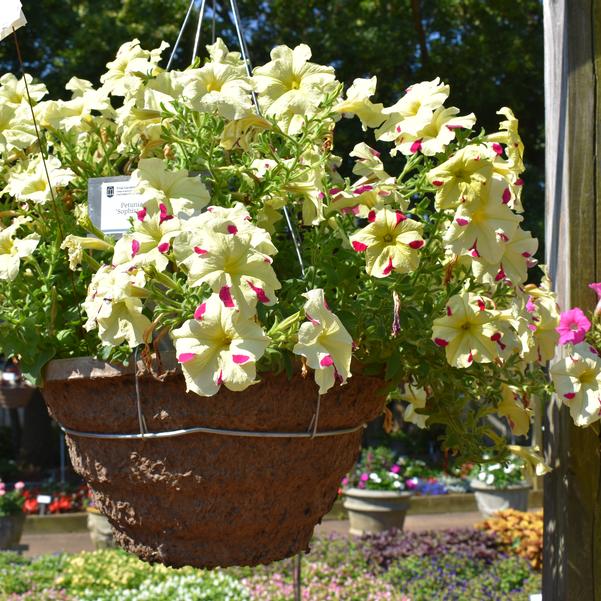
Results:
<point x="44" y="499"/>
<point x="11" y="17"/>
<point x="118" y="202"/>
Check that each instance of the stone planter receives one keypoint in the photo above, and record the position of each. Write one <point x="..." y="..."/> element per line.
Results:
<point x="204" y="499"/>
<point x="490" y="500"/>
<point x="375" y="510"/>
<point x="11" y="529"/>
<point x="100" y="530"/>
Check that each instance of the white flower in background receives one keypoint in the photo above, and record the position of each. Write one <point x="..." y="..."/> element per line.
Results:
<point x="577" y="381"/>
<point x="150" y="242"/>
<point x="131" y="65"/>
<point x="468" y="332"/>
<point x="219" y="346"/>
<point x="431" y="135"/>
<point x="76" y="245"/>
<point x="416" y="399"/>
<point x="324" y="342"/>
<point x="512" y="407"/>
<point x="182" y="194"/>
<point x="457" y="179"/>
<point x="415" y="107"/>
<point x="290" y="87"/>
<point x="13" y="249"/>
<point x="479" y="226"/>
<point x="114" y="306"/>
<point x="12" y="90"/>
<point x="230" y="265"/>
<point x="391" y="242"/>
<point x="31" y="182"/>
<point x="358" y="103"/>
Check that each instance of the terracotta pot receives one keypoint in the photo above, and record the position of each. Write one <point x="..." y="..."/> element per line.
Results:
<point x="490" y="499"/>
<point x="11" y="529"/>
<point x="15" y="397"/>
<point x="375" y="510"/>
<point x="209" y="500"/>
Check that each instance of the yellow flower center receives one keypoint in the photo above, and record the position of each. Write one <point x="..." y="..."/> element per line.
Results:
<point x="388" y="238"/>
<point x="295" y="84"/>
<point x="588" y="377"/>
<point x="213" y="86"/>
<point x="479" y="216"/>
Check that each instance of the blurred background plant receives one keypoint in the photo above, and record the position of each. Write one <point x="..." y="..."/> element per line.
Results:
<point x="519" y="532"/>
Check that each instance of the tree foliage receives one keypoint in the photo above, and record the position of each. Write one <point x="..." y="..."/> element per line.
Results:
<point x="490" y="52"/>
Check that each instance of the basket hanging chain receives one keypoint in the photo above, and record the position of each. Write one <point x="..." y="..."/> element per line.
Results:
<point x="181" y="32"/>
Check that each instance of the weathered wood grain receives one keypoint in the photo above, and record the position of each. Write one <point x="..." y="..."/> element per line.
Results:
<point x="572" y="564"/>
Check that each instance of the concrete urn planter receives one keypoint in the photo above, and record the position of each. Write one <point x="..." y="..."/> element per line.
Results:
<point x="100" y="530"/>
<point x="375" y="510"/>
<point x="205" y="499"/>
<point x="490" y="499"/>
<point x="11" y="529"/>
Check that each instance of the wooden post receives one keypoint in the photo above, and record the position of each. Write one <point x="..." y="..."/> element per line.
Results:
<point x="572" y="492"/>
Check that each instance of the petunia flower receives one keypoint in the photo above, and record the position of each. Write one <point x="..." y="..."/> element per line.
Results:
<point x="183" y="195"/>
<point x="416" y="106"/>
<point x="75" y="246"/>
<point x="368" y="163"/>
<point x="220" y="87"/>
<point x="509" y="136"/>
<point x="132" y="64"/>
<point x="577" y="381"/>
<point x="597" y="288"/>
<point x="358" y="103"/>
<point x="150" y="241"/>
<point x="391" y="242"/>
<point x="467" y="331"/>
<point x="416" y="399"/>
<point x="457" y="179"/>
<point x="324" y="342"/>
<point x="219" y="347"/>
<point x="517" y="258"/>
<point x="573" y="326"/>
<point x="432" y="135"/>
<point x="12" y="90"/>
<point x="479" y="226"/>
<point x="31" y="183"/>
<point x="13" y="249"/>
<point x="114" y="306"/>
<point x="544" y="321"/>
<point x="231" y="266"/>
<point x="290" y="87"/>
<point x="512" y="407"/>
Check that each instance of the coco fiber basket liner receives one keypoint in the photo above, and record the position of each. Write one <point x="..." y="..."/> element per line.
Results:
<point x="205" y="499"/>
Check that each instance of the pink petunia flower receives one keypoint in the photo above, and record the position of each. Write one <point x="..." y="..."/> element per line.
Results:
<point x="573" y="326"/>
<point x="19" y="485"/>
<point x="596" y="286"/>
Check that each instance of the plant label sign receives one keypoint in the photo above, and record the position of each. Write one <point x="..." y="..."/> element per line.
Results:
<point x="112" y="201"/>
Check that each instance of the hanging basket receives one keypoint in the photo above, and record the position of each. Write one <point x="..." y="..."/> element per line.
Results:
<point x="15" y="397"/>
<point x="207" y="499"/>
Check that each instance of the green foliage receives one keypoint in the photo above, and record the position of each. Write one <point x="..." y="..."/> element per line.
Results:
<point x="456" y="578"/>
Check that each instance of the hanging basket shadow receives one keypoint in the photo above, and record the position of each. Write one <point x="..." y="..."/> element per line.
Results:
<point x="15" y="397"/>
<point x="209" y="500"/>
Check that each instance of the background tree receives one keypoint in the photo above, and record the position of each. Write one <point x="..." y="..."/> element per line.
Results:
<point x="490" y="52"/>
